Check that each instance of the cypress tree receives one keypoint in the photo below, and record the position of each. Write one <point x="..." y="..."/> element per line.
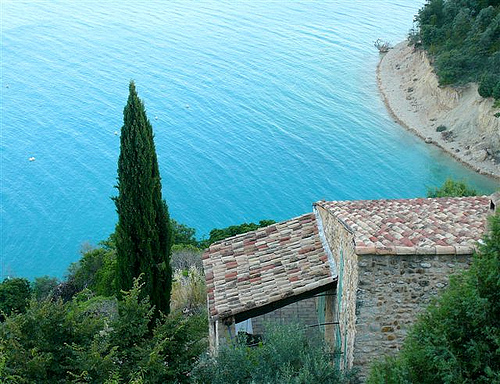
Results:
<point x="143" y="232"/>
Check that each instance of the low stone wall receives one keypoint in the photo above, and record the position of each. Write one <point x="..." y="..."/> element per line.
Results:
<point x="392" y="290"/>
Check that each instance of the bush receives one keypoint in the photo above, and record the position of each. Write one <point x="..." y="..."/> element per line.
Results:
<point x="286" y="355"/>
<point x="44" y="287"/>
<point x="182" y="234"/>
<point x="488" y="84"/>
<point x="390" y="370"/>
<point x="441" y="128"/>
<point x="457" y="339"/>
<point x="96" y="271"/>
<point x="452" y="188"/>
<point x="100" y="340"/>
<point x="36" y="343"/>
<point x="14" y="295"/>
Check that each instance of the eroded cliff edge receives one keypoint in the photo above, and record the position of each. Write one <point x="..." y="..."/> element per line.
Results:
<point x="457" y="120"/>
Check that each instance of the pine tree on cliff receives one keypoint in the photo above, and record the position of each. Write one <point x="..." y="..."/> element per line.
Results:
<point x="143" y="233"/>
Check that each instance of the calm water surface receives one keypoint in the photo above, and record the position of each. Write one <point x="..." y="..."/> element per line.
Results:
<point x="259" y="108"/>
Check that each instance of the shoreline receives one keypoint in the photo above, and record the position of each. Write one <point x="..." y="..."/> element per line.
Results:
<point x="411" y="93"/>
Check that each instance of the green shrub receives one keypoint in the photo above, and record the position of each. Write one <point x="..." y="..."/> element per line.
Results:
<point x="36" y="343"/>
<point x="488" y="84"/>
<point x="100" y="340"/>
<point x="183" y="235"/>
<point x="14" y="295"/>
<point x="441" y="128"/>
<point x="389" y="370"/>
<point x="44" y="287"/>
<point x="96" y="271"/>
<point x="286" y="355"/>
<point x="452" y="188"/>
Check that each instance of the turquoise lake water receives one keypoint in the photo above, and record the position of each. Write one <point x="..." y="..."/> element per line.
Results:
<point x="259" y="109"/>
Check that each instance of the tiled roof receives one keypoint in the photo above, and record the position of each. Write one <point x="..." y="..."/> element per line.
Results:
<point x="413" y="226"/>
<point x="261" y="267"/>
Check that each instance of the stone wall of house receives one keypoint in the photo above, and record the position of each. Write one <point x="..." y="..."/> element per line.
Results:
<point x="302" y="312"/>
<point x="341" y="243"/>
<point x="392" y="290"/>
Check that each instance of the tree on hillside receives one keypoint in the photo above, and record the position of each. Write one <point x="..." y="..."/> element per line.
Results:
<point x="143" y="232"/>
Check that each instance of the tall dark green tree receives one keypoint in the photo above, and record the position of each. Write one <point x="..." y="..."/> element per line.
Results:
<point x="143" y="233"/>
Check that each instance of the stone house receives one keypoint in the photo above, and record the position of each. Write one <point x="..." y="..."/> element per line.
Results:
<point x="360" y="270"/>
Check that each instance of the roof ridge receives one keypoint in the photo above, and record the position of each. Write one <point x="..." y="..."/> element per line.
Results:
<point x="407" y="199"/>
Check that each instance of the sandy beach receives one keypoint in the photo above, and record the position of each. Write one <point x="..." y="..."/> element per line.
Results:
<point x="457" y="120"/>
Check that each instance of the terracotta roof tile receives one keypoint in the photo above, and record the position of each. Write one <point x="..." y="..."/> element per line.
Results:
<point x="413" y="226"/>
<point x="282" y="260"/>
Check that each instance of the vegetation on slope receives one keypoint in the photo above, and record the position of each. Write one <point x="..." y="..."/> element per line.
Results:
<point x="95" y="339"/>
<point x="463" y="39"/>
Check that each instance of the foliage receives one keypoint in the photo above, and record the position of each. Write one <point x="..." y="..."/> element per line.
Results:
<point x="233" y="230"/>
<point x="143" y="234"/>
<point x="185" y="237"/>
<point x="189" y="293"/>
<point x="441" y="128"/>
<point x="95" y="271"/>
<point x="43" y="287"/>
<point x="286" y="355"/>
<point x="35" y="342"/>
<point x="182" y="234"/>
<point x="463" y="38"/>
<point x="14" y="294"/>
<point x="457" y="339"/>
<point x="99" y="340"/>
<point x="389" y="370"/>
<point x="452" y="188"/>
<point x="488" y="84"/>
